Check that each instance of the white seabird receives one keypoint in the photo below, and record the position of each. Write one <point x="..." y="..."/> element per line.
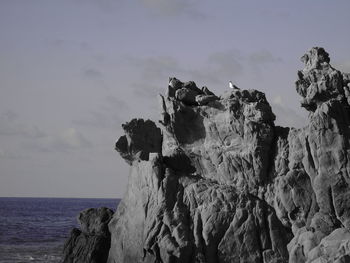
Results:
<point x="231" y="85"/>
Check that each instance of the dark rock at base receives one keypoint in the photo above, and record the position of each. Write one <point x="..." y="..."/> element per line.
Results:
<point x="91" y="244"/>
<point x="95" y="221"/>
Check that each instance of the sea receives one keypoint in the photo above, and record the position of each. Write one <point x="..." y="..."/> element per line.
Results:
<point x="35" y="229"/>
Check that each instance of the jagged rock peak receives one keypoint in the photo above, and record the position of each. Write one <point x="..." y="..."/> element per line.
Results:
<point x="189" y="93"/>
<point x="315" y="58"/>
<point x="319" y="82"/>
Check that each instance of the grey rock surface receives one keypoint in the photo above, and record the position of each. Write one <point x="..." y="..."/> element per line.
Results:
<point x="91" y="243"/>
<point x="169" y="216"/>
<point x="313" y="194"/>
<point x="198" y="198"/>
<point x="205" y="99"/>
<point x="219" y="182"/>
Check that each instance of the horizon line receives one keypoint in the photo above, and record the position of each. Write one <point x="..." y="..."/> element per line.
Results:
<point x="58" y="197"/>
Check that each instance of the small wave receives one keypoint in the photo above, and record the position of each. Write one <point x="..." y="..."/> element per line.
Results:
<point x="35" y="229"/>
<point x="29" y="259"/>
<point x="26" y="254"/>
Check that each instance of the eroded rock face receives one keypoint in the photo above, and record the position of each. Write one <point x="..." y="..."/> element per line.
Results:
<point x="219" y="182"/>
<point x="226" y="139"/>
<point x="168" y="216"/>
<point x="314" y="194"/>
<point x="91" y="243"/>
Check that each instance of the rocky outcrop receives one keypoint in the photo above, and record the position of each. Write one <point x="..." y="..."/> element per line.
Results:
<point x="199" y="198"/>
<point x="227" y="140"/>
<point x="92" y="241"/>
<point x="313" y="194"/>
<point x="216" y="181"/>
<point x="172" y="216"/>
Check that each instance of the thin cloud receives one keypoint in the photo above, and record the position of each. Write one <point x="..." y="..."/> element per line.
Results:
<point x="85" y="46"/>
<point x="288" y="118"/>
<point x="174" y="7"/>
<point x="278" y="100"/>
<point x="100" y="120"/>
<point x="92" y="73"/>
<point x="226" y="63"/>
<point x="153" y="67"/>
<point x="10" y="116"/>
<point x="153" y="74"/>
<point x="114" y="103"/>
<point x="148" y="91"/>
<point x="234" y="64"/>
<point x="278" y="13"/>
<point x="206" y="76"/>
<point x="105" y="6"/>
<point x="219" y="68"/>
<point x="34" y="138"/>
<point x="11" y="125"/>
<point x="57" y="42"/>
<point x="108" y="115"/>
<point x="71" y="139"/>
<point x="65" y="141"/>
<point x="8" y="154"/>
<point x="343" y="66"/>
<point x="285" y="116"/>
<point x="258" y="60"/>
<point x="263" y="57"/>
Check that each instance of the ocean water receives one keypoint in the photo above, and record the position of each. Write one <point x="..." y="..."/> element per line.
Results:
<point x="35" y="229"/>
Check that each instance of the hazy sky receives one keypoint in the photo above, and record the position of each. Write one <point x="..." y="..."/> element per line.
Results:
<point x="72" y="71"/>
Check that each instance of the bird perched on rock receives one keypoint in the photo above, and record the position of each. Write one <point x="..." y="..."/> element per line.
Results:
<point x="231" y="85"/>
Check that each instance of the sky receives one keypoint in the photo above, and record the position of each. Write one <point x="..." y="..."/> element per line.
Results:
<point x="72" y="71"/>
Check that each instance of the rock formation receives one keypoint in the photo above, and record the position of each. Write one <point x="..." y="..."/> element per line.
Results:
<point x="315" y="192"/>
<point x="199" y="197"/>
<point x="218" y="182"/>
<point x="91" y="243"/>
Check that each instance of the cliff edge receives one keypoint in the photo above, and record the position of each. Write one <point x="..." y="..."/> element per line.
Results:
<point x="216" y="181"/>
